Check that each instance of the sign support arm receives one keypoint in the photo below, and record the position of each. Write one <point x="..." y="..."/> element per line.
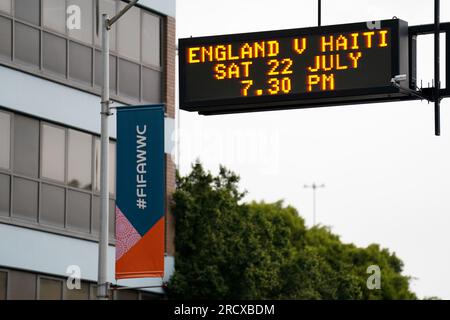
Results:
<point x="437" y="81"/>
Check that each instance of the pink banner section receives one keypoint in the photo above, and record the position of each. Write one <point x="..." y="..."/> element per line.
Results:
<point x="126" y="234"/>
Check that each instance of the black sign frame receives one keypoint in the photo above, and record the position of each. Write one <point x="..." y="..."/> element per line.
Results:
<point x="399" y="66"/>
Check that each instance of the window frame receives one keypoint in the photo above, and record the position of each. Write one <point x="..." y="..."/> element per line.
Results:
<point x="11" y="141"/>
<point x="7" y="283"/>
<point x="45" y="277"/>
<point x="41" y="154"/>
<point x="43" y="68"/>
<point x="91" y="87"/>
<point x="11" y="219"/>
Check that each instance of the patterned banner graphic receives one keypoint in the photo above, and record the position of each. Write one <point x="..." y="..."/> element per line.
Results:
<point x="140" y="192"/>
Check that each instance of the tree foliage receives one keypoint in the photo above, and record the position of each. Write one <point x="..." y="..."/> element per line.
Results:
<point x="227" y="249"/>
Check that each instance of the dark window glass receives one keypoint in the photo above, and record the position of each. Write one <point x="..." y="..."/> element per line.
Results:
<point x="77" y="294"/>
<point x="22" y="286"/>
<point x="127" y="295"/>
<point x="53" y="152"/>
<point x="50" y="289"/>
<point x="129" y="33"/>
<point x="99" y="68"/>
<point x="5" y="140"/>
<point x="3" y="285"/>
<point x="5" y="38"/>
<point x="26" y="44"/>
<point x="151" y="39"/>
<point x="108" y="7"/>
<point x="28" y="10"/>
<point x="78" y="211"/>
<point x="54" y="15"/>
<point x="52" y="206"/>
<point x="5" y="6"/>
<point x="26" y="146"/>
<point x="54" y="53"/>
<point x="84" y="33"/>
<point x="5" y="187"/>
<point x="149" y="296"/>
<point x="151" y="85"/>
<point x="25" y="205"/>
<point x="80" y="65"/>
<point x="80" y="160"/>
<point x="129" y="78"/>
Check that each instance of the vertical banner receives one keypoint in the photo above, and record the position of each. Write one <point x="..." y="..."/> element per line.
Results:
<point x="140" y="192"/>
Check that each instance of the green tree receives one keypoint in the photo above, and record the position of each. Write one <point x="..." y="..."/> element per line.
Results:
<point x="227" y="249"/>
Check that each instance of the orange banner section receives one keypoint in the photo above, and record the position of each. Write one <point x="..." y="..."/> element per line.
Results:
<point x="142" y="256"/>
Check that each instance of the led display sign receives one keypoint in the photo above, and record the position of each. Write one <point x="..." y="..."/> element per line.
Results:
<point x="297" y="68"/>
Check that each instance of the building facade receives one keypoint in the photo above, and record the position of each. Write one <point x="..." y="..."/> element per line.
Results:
<point x="50" y="78"/>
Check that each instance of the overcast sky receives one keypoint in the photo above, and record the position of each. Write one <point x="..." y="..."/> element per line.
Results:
<point x="387" y="176"/>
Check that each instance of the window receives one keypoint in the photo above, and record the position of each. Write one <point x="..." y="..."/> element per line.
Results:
<point x="54" y="53"/>
<point x="26" y="146"/>
<point x="25" y="205"/>
<point x="80" y="66"/>
<point x="39" y="41"/>
<point x="126" y="295"/>
<point x="128" y="33"/>
<point x="151" y="39"/>
<point x="54" y="15"/>
<point x="112" y="166"/>
<point x="5" y="6"/>
<point x="149" y="296"/>
<point x="112" y="71"/>
<point x="77" y="294"/>
<point x="108" y="7"/>
<point x="5" y="187"/>
<point x="3" y="284"/>
<point x="85" y="32"/>
<point x="5" y="38"/>
<point x="5" y="140"/>
<point x="28" y="10"/>
<point x="26" y="44"/>
<point x="129" y="78"/>
<point x="78" y="211"/>
<point x="22" y="286"/>
<point x="50" y="289"/>
<point x="80" y="157"/>
<point x="53" y="152"/>
<point x="151" y="85"/>
<point x="52" y="205"/>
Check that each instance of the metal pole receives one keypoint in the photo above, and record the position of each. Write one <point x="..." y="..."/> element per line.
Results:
<point x="314" y="188"/>
<point x="103" y="285"/>
<point x="319" y="13"/>
<point x="122" y="12"/>
<point x="437" y="80"/>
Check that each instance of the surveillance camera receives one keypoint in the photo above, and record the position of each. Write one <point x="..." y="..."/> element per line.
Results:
<point x="399" y="78"/>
